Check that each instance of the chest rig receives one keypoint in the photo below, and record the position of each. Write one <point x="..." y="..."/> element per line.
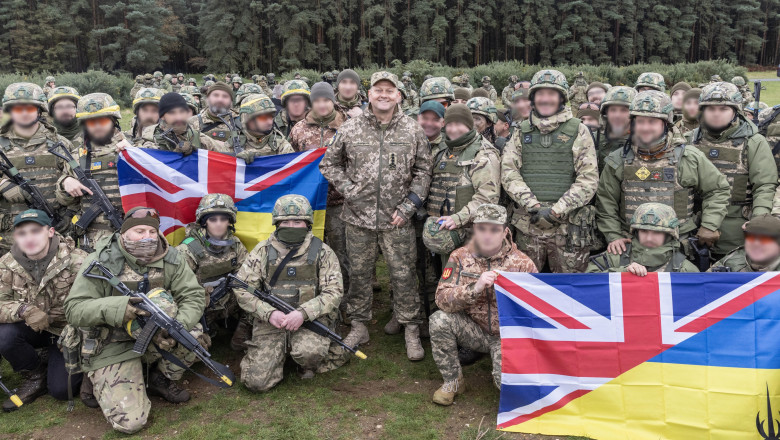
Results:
<point x="297" y="280"/>
<point x="730" y="158"/>
<point x="448" y="172"/>
<point x="548" y="161"/>
<point x="212" y="266"/>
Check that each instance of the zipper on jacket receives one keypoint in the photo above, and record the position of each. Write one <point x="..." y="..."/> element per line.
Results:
<point x="379" y="172"/>
<point x="490" y="314"/>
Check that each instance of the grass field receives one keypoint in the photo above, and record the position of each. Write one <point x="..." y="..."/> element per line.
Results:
<point x="771" y="96"/>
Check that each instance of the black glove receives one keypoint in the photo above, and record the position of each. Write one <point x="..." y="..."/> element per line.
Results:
<point x="544" y="219"/>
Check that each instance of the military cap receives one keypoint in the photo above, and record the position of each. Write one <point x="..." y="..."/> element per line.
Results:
<point x="32" y="215"/>
<point x="462" y="93"/>
<point x="384" y="76"/>
<point x="490" y="213"/>
<point x="764" y="224"/>
<point x="433" y="106"/>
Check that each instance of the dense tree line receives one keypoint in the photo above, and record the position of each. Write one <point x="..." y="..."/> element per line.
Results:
<point x="262" y="35"/>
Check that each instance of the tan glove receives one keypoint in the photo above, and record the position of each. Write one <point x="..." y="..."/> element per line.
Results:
<point x="164" y="340"/>
<point x="204" y="340"/>
<point x="132" y="312"/>
<point x="248" y="156"/>
<point x="706" y="237"/>
<point x="15" y="195"/>
<point x="36" y="318"/>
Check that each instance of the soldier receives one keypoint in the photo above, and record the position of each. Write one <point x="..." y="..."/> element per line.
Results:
<point x="258" y="135"/>
<point x="678" y="94"/>
<point x="650" y="81"/>
<point x="550" y="171"/>
<point x="509" y="90"/>
<point x="761" y="250"/>
<point x="466" y="296"/>
<point x="48" y="85"/>
<point x="690" y="111"/>
<point x="492" y="94"/>
<point x="157" y="79"/>
<point x="139" y="84"/>
<point x="503" y="128"/>
<point x="596" y="92"/>
<point x="192" y="103"/>
<point x="246" y="89"/>
<point x="654" y="246"/>
<point x="237" y="82"/>
<point x="578" y="90"/>
<point x="460" y="96"/>
<point x="521" y="105"/>
<point x="617" y="122"/>
<point x="166" y="83"/>
<point x="271" y="79"/>
<point x="173" y="133"/>
<point x="411" y="90"/>
<point x="347" y="93"/>
<point x="35" y="278"/>
<point x="735" y="147"/>
<point x="192" y="82"/>
<point x="747" y="95"/>
<point x="180" y="78"/>
<point x="295" y="100"/>
<point x="175" y="84"/>
<point x="656" y="166"/>
<point x="255" y="78"/>
<point x="588" y="113"/>
<point x="380" y="161"/>
<point x="62" y="108"/>
<point x="148" y="81"/>
<point x="213" y="120"/>
<point x="213" y="252"/>
<point x="431" y="119"/>
<point x="753" y="107"/>
<point x="483" y="110"/>
<point x="463" y="81"/>
<point x="437" y="89"/>
<point x="25" y="138"/>
<point x="320" y="123"/>
<point x="769" y="126"/>
<point x="145" y="111"/>
<point x="406" y="101"/>
<point x="142" y="259"/>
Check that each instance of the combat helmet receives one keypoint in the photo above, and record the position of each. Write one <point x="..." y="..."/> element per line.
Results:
<point x="167" y="77"/>
<point x="139" y="79"/>
<point x="48" y="80"/>
<point x="651" y="79"/>
<point x="24" y="93"/>
<point x="157" y="74"/>
<point x="440" y="240"/>
<point x="237" y="79"/>
<point x="738" y="81"/>
<point x="655" y="217"/>
<point x="147" y="95"/>
<point x="192" y="90"/>
<point x="653" y="104"/>
<point x="255" y="104"/>
<point x="549" y="79"/>
<point x="620" y="95"/>
<point x="164" y="301"/>
<point x="191" y="101"/>
<point x="483" y="106"/>
<point x="191" y="80"/>
<point x="513" y="79"/>
<point x="292" y="207"/>
<point x="721" y="93"/>
<point x="255" y="78"/>
<point x="97" y="105"/>
<point x="439" y="87"/>
<point x="63" y="92"/>
<point x="215" y="203"/>
<point x="247" y="89"/>
<point x="751" y="107"/>
<point x="295" y="87"/>
<point x="485" y="79"/>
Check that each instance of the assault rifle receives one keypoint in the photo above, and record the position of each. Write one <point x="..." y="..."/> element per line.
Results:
<point x="11" y="394"/>
<point x="36" y="198"/>
<point x="159" y="320"/>
<point x="702" y="254"/>
<point x="227" y="119"/>
<point x="757" y="100"/>
<point x="100" y="201"/>
<point x="220" y="290"/>
<point x="280" y="305"/>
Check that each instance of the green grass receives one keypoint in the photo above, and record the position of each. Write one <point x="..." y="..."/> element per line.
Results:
<point x="771" y="96"/>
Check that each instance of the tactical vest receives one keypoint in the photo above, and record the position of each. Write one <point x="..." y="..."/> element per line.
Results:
<point x="655" y="180"/>
<point x="165" y="145"/>
<point x="269" y="146"/>
<point x="770" y="129"/>
<point x="299" y="279"/>
<point x="211" y="266"/>
<point x="548" y="162"/>
<point x="101" y="166"/>
<point x="448" y="171"/>
<point x="218" y="130"/>
<point x="730" y="158"/>
<point x="151" y="278"/>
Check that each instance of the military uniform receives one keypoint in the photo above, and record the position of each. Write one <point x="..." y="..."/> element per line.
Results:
<point x="71" y="132"/>
<point x="260" y="144"/>
<point x="492" y="94"/>
<point x="578" y="91"/>
<point x="47" y="89"/>
<point x="764" y="225"/>
<point x="309" y="280"/>
<point x="282" y="121"/>
<point x="606" y="140"/>
<point x="220" y="134"/>
<point x="139" y="84"/>
<point x="509" y="90"/>
<point x="769" y="127"/>
<point x="552" y="162"/>
<point x="146" y="95"/>
<point x="155" y="135"/>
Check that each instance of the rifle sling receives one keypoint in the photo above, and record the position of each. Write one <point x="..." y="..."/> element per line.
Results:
<point x="176" y="361"/>
<point x="281" y="265"/>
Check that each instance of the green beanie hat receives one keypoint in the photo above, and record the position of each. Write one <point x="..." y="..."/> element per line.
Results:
<point x="459" y="113"/>
<point x="684" y="86"/>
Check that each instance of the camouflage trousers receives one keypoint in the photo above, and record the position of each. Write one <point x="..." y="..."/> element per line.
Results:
<point x="552" y="246"/>
<point x="336" y="238"/>
<point x="399" y="248"/>
<point x="452" y="330"/>
<point x="427" y="273"/>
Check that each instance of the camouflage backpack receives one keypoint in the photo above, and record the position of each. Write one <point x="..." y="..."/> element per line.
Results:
<point x="441" y="241"/>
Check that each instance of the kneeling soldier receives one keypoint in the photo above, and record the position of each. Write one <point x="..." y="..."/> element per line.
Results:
<point x="140" y="257"/>
<point x="35" y="278"/>
<point x="300" y="269"/>
<point x="654" y="246"/>
<point x="468" y="315"/>
<point x="761" y="252"/>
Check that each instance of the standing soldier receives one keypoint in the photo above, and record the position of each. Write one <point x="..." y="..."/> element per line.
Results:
<point x="139" y="84"/>
<point x="550" y="170"/>
<point x="295" y="100"/>
<point x="437" y="89"/>
<point x="140" y="257"/>
<point x="300" y="269"/>
<point x="466" y="296"/>
<point x="411" y="90"/>
<point x="157" y="79"/>
<point x="62" y="109"/>
<point x="380" y="161"/>
<point x="320" y="123"/>
<point x="578" y="92"/>
<point x="735" y="147"/>
<point x="650" y="81"/>
<point x="690" y="111"/>
<point x="431" y="119"/>
<point x="213" y="252"/>
<point x="145" y="111"/>
<point x="617" y="122"/>
<point x="492" y="94"/>
<point x="656" y="166"/>
<point x="236" y="82"/>
<point x="596" y="92"/>
<point x="271" y="79"/>
<point x="166" y="85"/>
<point x="213" y="120"/>
<point x="48" y="85"/>
<point x="173" y="133"/>
<point x="258" y="135"/>
<point x="509" y="90"/>
<point x="192" y="82"/>
<point x="744" y="90"/>
<point x="148" y="81"/>
<point x="348" y="93"/>
<point x="35" y="278"/>
<point x="483" y="110"/>
<point x="677" y="95"/>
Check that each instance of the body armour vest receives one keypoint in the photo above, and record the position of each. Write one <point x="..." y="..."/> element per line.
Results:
<point x="212" y="265"/>
<point x="450" y="191"/>
<point x="730" y="158"/>
<point x="548" y="161"/>
<point x="100" y="164"/>
<point x="299" y="278"/>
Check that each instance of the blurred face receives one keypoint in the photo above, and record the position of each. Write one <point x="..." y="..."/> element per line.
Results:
<point x="502" y="128"/>
<point x="348" y="89"/>
<point x="643" y="88"/>
<point x="547" y="102"/>
<point x="296" y="106"/>
<point x="651" y="239"/>
<point x="383" y="96"/>
<point x="293" y="224"/>
<point x="459" y="101"/>
<point x="101" y="130"/>
<point x="261" y="123"/>
<point x="219" y="101"/>
<point x="488" y="238"/>
<point x="64" y="111"/>
<point x="140" y="232"/>
<point x="718" y="116"/>
<point x="24" y="115"/>
<point x="217" y="225"/>
<point x="596" y="95"/>
<point x="480" y="122"/>
<point x="677" y="99"/>
<point x="177" y="118"/>
<point x="33" y="239"/>
<point x="647" y="129"/>
<point x="431" y="124"/>
<point x="174" y="80"/>
<point x="691" y="107"/>
<point x="590" y="121"/>
<point x="322" y="106"/>
<point x="761" y="249"/>
<point x="455" y="130"/>
<point x="236" y="86"/>
<point x="618" y="118"/>
<point x="522" y="107"/>
<point x="147" y="115"/>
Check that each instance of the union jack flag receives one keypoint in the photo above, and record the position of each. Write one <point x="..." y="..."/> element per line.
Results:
<point x="563" y="336"/>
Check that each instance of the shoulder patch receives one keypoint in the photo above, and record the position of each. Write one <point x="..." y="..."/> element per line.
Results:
<point x="187" y="240"/>
<point x="446" y="273"/>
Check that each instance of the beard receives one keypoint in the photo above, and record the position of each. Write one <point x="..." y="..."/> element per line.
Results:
<point x="65" y="121"/>
<point x="102" y="140"/>
<point x="217" y="110"/>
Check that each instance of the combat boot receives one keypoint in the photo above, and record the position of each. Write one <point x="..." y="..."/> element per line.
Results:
<point x="425" y="330"/>
<point x="161" y="386"/>
<point x="87" y="394"/>
<point x="242" y="334"/>
<point x="358" y="335"/>
<point x="414" y="348"/>
<point x="33" y="387"/>
<point x="446" y="393"/>
<point x="467" y="356"/>
<point x="393" y="327"/>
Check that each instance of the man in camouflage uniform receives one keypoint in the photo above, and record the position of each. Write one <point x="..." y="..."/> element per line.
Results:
<point x="437" y="89"/>
<point x="148" y="81"/>
<point x="462" y="80"/>
<point x="769" y="127"/>
<point x="406" y="102"/>
<point x="48" y="85"/>
<point x="166" y="85"/>
<point x="25" y="139"/>
<point x="411" y="90"/>
<point x="617" y="122"/>
<point x="236" y="82"/>
<point x="431" y="119"/>
<point x="309" y="280"/>
<point x="348" y="93"/>
<point x="578" y="91"/>
<point x="192" y="102"/>
<point x="271" y="79"/>
<point x="521" y="107"/>
<point x="140" y="257"/>
<point x="483" y="110"/>
<point x="744" y="90"/>
<point x="735" y="147"/>
<point x="258" y="135"/>
<point x="690" y="111"/>
<point x="509" y="90"/>
<point x="213" y="252"/>
<point x="657" y="167"/>
<point x="677" y="94"/>
<point x="492" y="94"/>
<point x="549" y="168"/>
<point x="466" y="296"/>
<point x="380" y="162"/>
<point x="213" y="120"/>
<point x="139" y="84"/>
<point x="157" y="79"/>
<point x="175" y="84"/>
<point x="146" y="112"/>
<point x="761" y="250"/>
<point x="295" y="100"/>
<point x="655" y="245"/>
<point x="174" y="133"/>
<point x="35" y="278"/>
<point x="650" y="81"/>
<point x="192" y="82"/>
<point x="62" y="108"/>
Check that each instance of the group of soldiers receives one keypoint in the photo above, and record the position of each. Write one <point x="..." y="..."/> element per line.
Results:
<point x="448" y="187"/>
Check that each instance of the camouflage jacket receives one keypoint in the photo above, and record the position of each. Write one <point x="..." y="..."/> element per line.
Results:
<point x="17" y="286"/>
<point x="737" y="261"/>
<point x="377" y="167"/>
<point x="666" y="258"/>
<point x="323" y="298"/>
<point x="685" y="125"/>
<point x="213" y="128"/>
<point x="311" y="132"/>
<point x="269" y="145"/>
<point x="506" y="95"/>
<point x="585" y="167"/>
<point x="455" y="292"/>
<point x="283" y="123"/>
<point x="189" y="142"/>
<point x="346" y="106"/>
<point x="492" y="93"/>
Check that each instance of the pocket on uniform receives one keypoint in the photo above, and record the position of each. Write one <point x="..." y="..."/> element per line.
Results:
<point x="581" y="232"/>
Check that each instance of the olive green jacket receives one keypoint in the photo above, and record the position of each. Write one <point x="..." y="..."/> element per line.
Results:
<point x="737" y="261"/>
